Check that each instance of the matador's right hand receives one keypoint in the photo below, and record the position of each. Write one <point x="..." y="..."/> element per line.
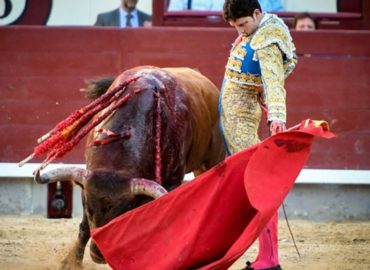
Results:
<point x="276" y="127"/>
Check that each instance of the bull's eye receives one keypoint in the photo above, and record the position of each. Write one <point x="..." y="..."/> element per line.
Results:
<point x="140" y="200"/>
<point x="106" y="206"/>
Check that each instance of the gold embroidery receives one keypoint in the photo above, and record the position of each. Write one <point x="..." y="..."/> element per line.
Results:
<point x="271" y="63"/>
<point x="240" y="51"/>
<point x="267" y="35"/>
<point x="273" y="31"/>
<point x="240" y="116"/>
<point x="289" y="65"/>
<point x="243" y="77"/>
<point x="234" y="63"/>
<point x="236" y="57"/>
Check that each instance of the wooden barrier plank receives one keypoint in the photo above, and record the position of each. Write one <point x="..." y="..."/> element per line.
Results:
<point x="48" y="63"/>
<point x="341" y="121"/>
<point x="43" y="69"/>
<point x="336" y="42"/>
<point x="36" y="111"/>
<point x="338" y="82"/>
<point x="181" y="39"/>
<point x="344" y="152"/>
<point x="60" y="39"/>
<point x="21" y="139"/>
<point x="44" y="88"/>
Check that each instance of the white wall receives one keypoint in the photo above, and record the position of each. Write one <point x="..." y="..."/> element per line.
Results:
<point x="311" y="5"/>
<point x="17" y="10"/>
<point x="319" y="202"/>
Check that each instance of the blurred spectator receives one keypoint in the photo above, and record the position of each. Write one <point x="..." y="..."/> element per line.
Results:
<point x="271" y="5"/>
<point x="126" y="15"/>
<point x="176" y="5"/>
<point x="305" y="22"/>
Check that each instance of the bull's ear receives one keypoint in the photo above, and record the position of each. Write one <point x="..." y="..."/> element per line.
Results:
<point x="97" y="87"/>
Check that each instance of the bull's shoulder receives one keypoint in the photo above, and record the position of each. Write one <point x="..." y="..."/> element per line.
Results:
<point x="184" y="72"/>
<point x="193" y="80"/>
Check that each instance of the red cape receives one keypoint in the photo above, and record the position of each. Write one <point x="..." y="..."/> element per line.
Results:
<point x="211" y="221"/>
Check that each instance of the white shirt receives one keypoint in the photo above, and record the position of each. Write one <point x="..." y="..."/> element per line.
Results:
<point x="123" y="18"/>
<point x="271" y="5"/>
<point x="217" y="5"/>
<point x="176" y="5"/>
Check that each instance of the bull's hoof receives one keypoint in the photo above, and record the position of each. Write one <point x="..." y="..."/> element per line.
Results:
<point x="70" y="264"/>
<point x="97" y="258"/>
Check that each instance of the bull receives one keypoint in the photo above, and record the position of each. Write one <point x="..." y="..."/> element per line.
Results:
<point x="144" y="148"/>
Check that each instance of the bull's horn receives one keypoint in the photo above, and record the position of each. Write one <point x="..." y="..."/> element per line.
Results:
<point x="75" y="174"/>
<point x="141" y="186"/>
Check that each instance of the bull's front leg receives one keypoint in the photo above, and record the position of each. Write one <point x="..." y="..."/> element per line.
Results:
<point x="75" y="256"/>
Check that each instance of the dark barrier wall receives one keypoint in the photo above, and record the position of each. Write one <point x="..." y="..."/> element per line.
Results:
<point x="43" y="68"/>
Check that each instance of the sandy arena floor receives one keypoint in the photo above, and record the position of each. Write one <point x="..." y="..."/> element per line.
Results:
<point x="35" y="242"/>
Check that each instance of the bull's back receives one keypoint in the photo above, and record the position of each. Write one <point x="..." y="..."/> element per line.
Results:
<point x="204" y="144"/>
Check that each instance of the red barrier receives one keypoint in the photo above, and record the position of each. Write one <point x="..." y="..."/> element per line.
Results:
<point x="43" y="68"/>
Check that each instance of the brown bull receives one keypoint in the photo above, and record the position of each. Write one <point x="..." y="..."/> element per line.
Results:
<point x="168" y="128"/>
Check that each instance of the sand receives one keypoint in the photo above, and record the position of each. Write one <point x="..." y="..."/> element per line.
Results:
<point x="35" y="242"/>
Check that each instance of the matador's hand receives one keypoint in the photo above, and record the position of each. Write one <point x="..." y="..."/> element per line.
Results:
<point x="276" y="127"/>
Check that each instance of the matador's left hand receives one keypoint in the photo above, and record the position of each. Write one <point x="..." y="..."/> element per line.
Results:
<point x="276" y="127"/>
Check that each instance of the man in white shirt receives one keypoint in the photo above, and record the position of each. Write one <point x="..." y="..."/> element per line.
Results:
<point x="271" y="5"/>
<point x="213" y="5"/>
<point x="124" y="16"/>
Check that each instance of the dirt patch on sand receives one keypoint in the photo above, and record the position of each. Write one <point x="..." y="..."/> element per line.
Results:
<point x="35" y="242"/>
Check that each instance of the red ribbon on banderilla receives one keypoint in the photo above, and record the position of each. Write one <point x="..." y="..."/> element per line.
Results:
<point x="69" y="132"/>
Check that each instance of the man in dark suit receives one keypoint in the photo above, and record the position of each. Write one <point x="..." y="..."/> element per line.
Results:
<point x="124" y="16"/>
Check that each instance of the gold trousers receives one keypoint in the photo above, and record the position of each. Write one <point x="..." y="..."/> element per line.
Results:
<point x="240" y="115"/>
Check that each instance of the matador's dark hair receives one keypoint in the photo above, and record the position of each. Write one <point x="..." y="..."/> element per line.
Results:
<point x="235" y="9"/>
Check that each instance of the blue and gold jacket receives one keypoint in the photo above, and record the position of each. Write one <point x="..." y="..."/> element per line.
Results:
<point x="263" y="61"/>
